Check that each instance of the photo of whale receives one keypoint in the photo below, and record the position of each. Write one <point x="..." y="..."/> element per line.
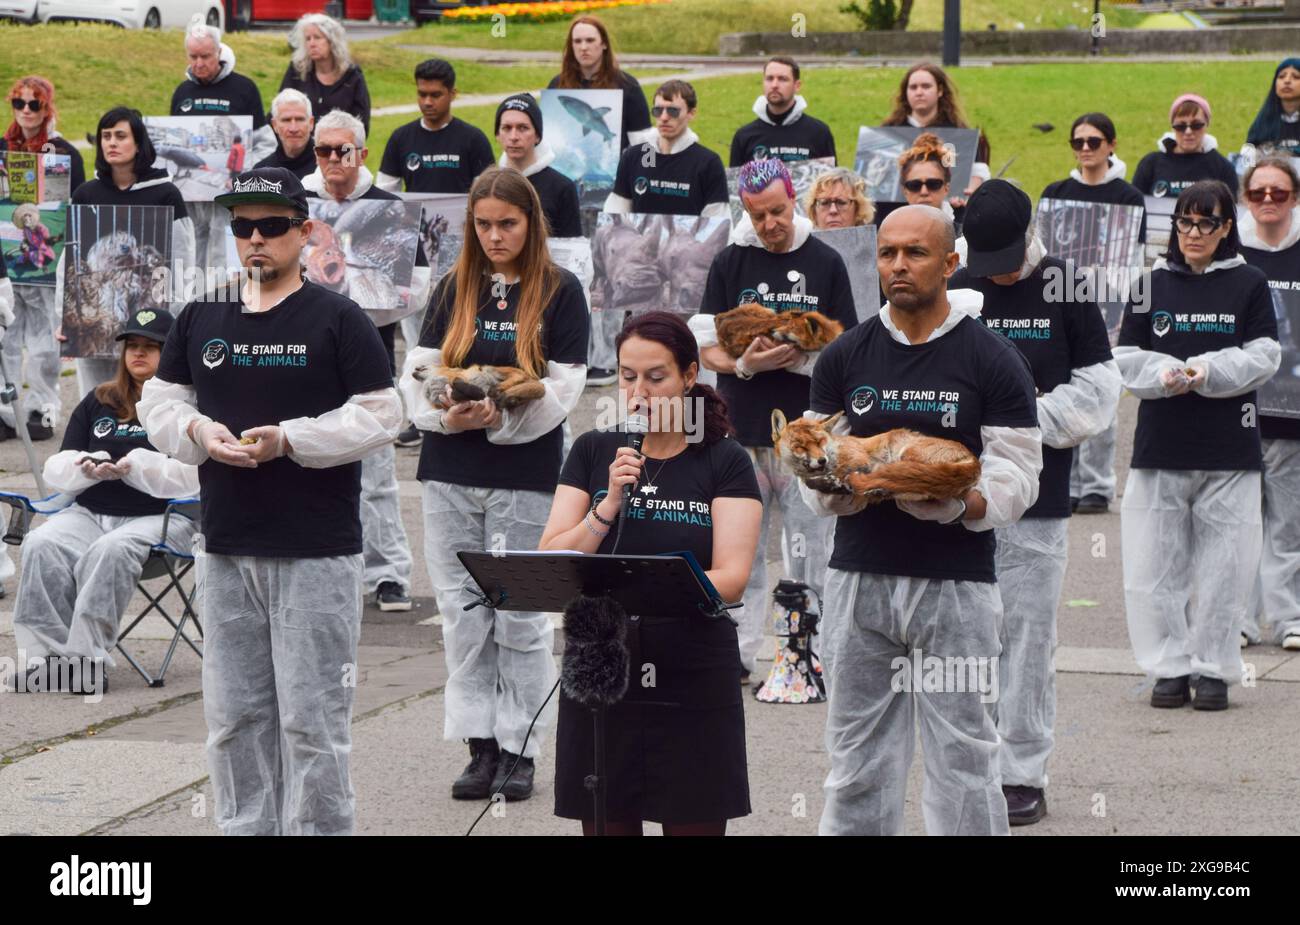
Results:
<point x="583" y="128"/>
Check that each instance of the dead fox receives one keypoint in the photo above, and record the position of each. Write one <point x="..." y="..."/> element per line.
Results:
<point x="507" y="386"/>
<point x="806" y="330"/>
<point x="899" y="463"/>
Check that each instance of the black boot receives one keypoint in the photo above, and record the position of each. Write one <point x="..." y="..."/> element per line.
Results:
<point x="1211" y="694"/>
<point x="475" y="782"/>
<point x="520" y="785"/>
<point x="1171" y="692"/>
<point x="1025" y="805"/>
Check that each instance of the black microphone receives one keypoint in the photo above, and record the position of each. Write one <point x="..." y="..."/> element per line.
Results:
<point x="594" y="668"/>
<point x="638" y="425"/>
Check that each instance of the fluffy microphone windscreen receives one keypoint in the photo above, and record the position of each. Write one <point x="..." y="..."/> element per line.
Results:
<point x="594" y="668"/>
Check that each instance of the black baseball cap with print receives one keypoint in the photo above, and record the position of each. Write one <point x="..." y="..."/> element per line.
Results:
<point x="997" y="217"/>
<point x="153" y="323"/>
<point x="274" y="185"/>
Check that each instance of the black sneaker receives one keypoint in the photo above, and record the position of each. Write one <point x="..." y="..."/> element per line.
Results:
<point x="475" y="782"/>
<point x="1092" y="504"/>
<point x="1211" y="694"/>
<point x="390" y="596"/>
<point x="520" y="785"/>
<point x="7" y="432"/>
<point x="37" y="429"/>
<point x="1025" y="805"/>
<point x="1171" y="693"/>
<point x="409" y="437"/>
<point x="598" y="376"/>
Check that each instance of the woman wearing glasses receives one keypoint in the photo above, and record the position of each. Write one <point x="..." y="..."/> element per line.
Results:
<point x="1185" y="154"/>
<point x="1277" y="125"/>
<point x="1270" y="241"/>
<point x="1194" y="350"/>
<point x="838" y="199"/>
<point x="1099" y="177"/>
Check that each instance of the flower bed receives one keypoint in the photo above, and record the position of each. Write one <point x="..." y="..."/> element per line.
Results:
<point x="536" y="12"/>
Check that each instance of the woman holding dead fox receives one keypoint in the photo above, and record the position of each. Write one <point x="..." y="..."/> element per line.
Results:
<point x="489" y="470"/>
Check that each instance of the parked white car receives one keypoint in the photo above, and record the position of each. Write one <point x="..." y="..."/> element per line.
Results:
<point x="132" y="14"/>
<point x="22" y="10"/>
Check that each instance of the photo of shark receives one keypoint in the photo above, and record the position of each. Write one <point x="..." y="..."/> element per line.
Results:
<point x="583" y="128"/>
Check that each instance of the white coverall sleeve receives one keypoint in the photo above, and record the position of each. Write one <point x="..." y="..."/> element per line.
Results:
<point x="166" y="410"/>
<point x="6" y="303"/>
<point x="705" y="329"/>
<point x="619" y="205"/>
<point x="388" y="182"/>
<point x="1081" y="408"/>
<point x="1009" y="469"/>
<point x="564" y="383"/>
<point x="717" y="210"/>
<point x="981" y="170"/>
<point x="160" y="476"/>
<point x="421" y="280"/>
<point x="63" y="475"/>
<point x="418" y="407"/>
<point x="806" y="367"/>
<point x="1237" y="370"/>
<point x="183" y="249"/>
<point x="1140" y="369"/>
<point x="824" y="504"/>
<point x="349" y="433"/>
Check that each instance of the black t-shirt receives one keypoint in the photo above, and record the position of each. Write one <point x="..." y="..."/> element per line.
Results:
<point x="349" y="93"/>
<point x="232" y="95"/>
<point x="741" y="275"/>
<point x="671" y="510"/>
<point x="678" y="184"/>
<point x="636" y="111"/>
<point x="559" y="196"/>
<point x="1056" y="338"/>
<point x="303" y="358"/>
<point x="93" y="427"/>
<point x="300" y="166"/>
<point x="1161" y="174"/>
<point x="443" y="161"/>
<point x="1189" y="315"/>
<point x="1116" y="192"/>
<point x="800" y="140"/>
<point x="469" y="458"/>
<point x="972" y="376"/>
<point x="1283" y="271"/>
<point x="97" y="192"/>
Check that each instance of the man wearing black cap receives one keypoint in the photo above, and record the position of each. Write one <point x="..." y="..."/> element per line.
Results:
<point x="1078" y="384"/>
<point x="519" y="132"/>
<point x="300" y="375"/>
<point x="911" y="584"/>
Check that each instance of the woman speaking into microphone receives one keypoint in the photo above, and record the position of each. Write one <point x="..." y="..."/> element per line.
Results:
<point x="675" y="744"/>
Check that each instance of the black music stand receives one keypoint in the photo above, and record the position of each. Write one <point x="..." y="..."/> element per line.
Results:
<point x="649" y="586"/>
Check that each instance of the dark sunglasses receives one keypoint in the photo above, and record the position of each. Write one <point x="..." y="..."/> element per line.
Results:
<point x="1206" y="226"/>
<point x="270" y="227"/>
<point x="915" y="186"/>
<point x="1181" y="127"/>
<point x="1093" y="143"/>
<point x="673" y="111"/>
<point x="325" y="152"/>
<point x="1269" y="193"/>
<point x="33" y="105"/>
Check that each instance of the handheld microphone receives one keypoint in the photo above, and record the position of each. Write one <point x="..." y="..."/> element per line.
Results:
<point x="638" y="425"/>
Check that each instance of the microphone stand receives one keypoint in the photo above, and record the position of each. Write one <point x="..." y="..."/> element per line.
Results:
<point x="598" y="781"/>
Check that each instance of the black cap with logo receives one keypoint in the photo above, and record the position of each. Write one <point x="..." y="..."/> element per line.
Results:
<point x="274" y="185"/>
<point x="153" y="323"/>
<point x="997" y="217"/>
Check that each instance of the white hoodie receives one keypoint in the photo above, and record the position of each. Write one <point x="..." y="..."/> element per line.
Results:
<point x="544" y="156"/>
<point x="1249" y="232"/>
<point x="760" y="110"/>
<point x="1115" y="171"/>
<point x="1208" y="143"/>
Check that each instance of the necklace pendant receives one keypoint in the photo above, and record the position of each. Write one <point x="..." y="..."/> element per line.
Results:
<point x="502" y="304"/>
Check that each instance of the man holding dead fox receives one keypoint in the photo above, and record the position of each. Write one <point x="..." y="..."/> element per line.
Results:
<point x="913" y="582"/>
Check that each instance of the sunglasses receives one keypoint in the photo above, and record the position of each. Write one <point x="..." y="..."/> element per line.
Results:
<point x="325" y="152"/>
<point x="1092" y="142"/>
<point x="673" y="111"/>
<point x="1181" y="127"/>
<point x="832" y="203"/>
<point x="1269" y="193"/>
<point x="933" y="185"/>
<point x="273" y="226"/>
<point x="33" y="105"/>
<point x="1206" y="226"/>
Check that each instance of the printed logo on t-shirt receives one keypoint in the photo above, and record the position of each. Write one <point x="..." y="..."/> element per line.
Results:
<point x="416" y="160"/>
<point x="111" y="427"/>
<point x="215" y="352"/>
<point x="1196" y="323"/>
<point x="760" y="152"/>
<point x="645" y="504"/>
<point x="863" y="399"/>
<point x="103" y="427"/>
<point x="186" y="105"/>
<point x="1169" y="187"/>
<point x="796" y="298"/>
<point x="1161" y="323"/>
<point x="1021" y="328"/>
<point x="653" y="186"/>
<point x="911" y="401"/>
<point x="205" y="104"/>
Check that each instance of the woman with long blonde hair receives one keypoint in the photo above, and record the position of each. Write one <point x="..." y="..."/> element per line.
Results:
<point x="489" y="473"/>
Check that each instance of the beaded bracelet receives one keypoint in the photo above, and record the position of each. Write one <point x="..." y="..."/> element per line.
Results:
<point x="596" y="514"/>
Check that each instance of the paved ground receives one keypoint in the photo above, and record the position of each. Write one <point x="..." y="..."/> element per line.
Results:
<point x="134" y="762"/>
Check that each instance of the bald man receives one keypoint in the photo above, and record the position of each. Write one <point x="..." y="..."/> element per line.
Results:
<point x="912" y="616"/>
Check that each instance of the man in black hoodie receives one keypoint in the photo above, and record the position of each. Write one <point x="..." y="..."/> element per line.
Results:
<point x="292" y="122"/>
<point x="783" y="128"/>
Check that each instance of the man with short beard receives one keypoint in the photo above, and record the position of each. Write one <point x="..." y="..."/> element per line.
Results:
<point x="783" y="128"/>
<point x="915" y="579"/>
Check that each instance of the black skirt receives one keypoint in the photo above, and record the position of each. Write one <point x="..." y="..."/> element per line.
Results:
<point x="675" y="744"/>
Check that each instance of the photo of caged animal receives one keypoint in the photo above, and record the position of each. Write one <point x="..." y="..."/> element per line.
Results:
<point x="507" y="386"/>
<point x="900" y="464"/>
<point x="809" y="331"/>
<point x="647" y="262"/>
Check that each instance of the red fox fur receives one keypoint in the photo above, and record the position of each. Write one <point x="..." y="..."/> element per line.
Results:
<point x="899" y="463"/>
<point x="806" y="330"/>
<point x="507" y="386"/>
